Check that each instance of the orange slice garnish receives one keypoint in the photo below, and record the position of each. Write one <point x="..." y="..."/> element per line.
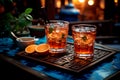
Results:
<point x="42" y="48"/>
<point x="30" y="48"/>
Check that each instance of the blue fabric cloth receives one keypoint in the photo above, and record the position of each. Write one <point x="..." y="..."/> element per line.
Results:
<point x="99" y="72"/>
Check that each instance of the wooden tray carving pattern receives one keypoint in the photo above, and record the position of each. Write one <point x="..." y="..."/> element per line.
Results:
<point x="67" y="61"/>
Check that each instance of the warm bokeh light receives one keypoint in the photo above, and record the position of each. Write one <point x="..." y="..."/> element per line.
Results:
<point x="66" y="2"/>
<point x="116" y="1"/>
<point x="81" y="1"/>
<point x="42" y="3"/>
<point x="102" y="4"/>
<point x="58" y="3"/>
<point x="91" y="2"/>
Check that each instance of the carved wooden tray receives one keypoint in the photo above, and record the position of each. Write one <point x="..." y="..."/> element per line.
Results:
<point x="67" y="62"/>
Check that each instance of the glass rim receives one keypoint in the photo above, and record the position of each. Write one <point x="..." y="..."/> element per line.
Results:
<point x="54" y="21"/>
<point x="85" y="25"/>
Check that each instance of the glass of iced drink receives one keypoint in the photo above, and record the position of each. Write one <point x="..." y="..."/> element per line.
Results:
<point x="84" y="38"/>
<point x="56" y="34"/>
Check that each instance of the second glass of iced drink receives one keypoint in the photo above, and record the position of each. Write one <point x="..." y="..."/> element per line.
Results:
<point x="84" y="38"/>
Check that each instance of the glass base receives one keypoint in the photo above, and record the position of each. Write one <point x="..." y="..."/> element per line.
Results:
<point x="84" y="56"/>
<point x="57" y="52"/>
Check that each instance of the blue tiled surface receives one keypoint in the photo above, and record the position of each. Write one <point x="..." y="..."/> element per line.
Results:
<point x="99" y="72"/>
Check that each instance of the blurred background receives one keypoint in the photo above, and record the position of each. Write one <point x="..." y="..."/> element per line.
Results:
<point x="105" y="14"/>
<point x="83" y="9"/>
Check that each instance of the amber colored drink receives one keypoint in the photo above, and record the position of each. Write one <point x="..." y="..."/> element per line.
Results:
<point x="56" y="33"/>
<point x="84" y="38"/>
